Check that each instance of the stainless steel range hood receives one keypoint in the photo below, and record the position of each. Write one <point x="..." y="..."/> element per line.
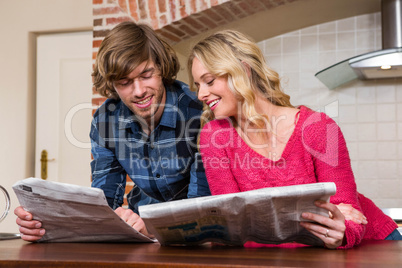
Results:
<point x="385" y="63"/>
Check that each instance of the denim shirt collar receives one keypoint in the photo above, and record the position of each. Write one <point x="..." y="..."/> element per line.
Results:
<point x="127" y="119"/>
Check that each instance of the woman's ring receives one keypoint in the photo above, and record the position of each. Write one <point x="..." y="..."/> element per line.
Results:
<point x="326" y="234"/>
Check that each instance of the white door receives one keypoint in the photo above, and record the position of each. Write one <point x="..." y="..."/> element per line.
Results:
<point x="63" y="106"/>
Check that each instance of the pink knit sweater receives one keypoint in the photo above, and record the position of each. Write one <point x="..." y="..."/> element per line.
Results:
<point x="315" y="152"/>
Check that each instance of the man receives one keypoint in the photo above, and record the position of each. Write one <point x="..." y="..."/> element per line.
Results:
<point x="147" y="129"/>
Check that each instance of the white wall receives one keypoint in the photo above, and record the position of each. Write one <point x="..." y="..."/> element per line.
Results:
<point x="21" y="21"/>
<point x="368" y="112"/>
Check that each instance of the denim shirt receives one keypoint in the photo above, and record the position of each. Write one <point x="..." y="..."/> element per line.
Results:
<point x="164" y="166"/>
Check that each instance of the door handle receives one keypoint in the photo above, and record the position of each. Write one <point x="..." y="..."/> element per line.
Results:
<point x="43" y="164"/>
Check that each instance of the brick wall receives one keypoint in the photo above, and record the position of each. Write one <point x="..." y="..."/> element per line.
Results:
<point x="174" y="20"/>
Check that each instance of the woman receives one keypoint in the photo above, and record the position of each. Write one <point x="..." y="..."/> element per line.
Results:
<point x="260" y="140"/>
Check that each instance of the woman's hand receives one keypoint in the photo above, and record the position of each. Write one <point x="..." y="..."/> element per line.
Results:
<point x="351" y="214"/>
<point x="133" y="219"/>
<point x="330" y="230"/>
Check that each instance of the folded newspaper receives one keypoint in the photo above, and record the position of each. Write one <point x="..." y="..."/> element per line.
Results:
<point x="269" y="216"/>
<point x="72" y="213"/>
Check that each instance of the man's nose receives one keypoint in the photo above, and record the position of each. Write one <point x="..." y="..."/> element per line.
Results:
<point x="139" y="90"/>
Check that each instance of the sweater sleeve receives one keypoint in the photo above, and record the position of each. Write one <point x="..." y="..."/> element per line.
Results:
<point x="213" y="138"/>
<point x="324" y="140"/>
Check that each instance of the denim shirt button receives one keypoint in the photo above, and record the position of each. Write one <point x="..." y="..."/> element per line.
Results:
<point x="158" y="175"/>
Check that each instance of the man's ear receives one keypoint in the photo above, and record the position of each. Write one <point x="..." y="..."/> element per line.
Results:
<point x="247" y="68"/>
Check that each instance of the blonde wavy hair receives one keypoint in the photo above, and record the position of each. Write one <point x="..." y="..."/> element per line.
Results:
<point x="234" y="55"/>
<point x="124" y="48"/>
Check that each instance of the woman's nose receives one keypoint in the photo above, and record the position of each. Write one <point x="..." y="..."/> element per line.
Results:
<point x="202" y="93"/>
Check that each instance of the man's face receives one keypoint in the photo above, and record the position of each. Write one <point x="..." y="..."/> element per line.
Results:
<point x="143" y="92"/>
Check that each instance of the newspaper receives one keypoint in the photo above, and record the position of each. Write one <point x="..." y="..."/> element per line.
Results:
<point x="72" y="213"/>
<point x="269" y="216"/>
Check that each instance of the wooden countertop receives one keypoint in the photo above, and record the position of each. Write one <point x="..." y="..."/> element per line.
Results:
<point x="18" y="253"/>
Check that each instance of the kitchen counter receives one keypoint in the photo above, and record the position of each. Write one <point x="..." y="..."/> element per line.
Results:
<point x="18" y="253"/>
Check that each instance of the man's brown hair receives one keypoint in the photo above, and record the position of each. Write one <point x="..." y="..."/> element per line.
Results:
<point x="124" y="48"/>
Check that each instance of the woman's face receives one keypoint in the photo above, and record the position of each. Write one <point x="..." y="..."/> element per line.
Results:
<point x="214" y="91"/>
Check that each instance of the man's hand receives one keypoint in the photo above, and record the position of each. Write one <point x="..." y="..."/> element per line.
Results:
<point x="133" y="220"/>
<point x="30" y="229"/>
